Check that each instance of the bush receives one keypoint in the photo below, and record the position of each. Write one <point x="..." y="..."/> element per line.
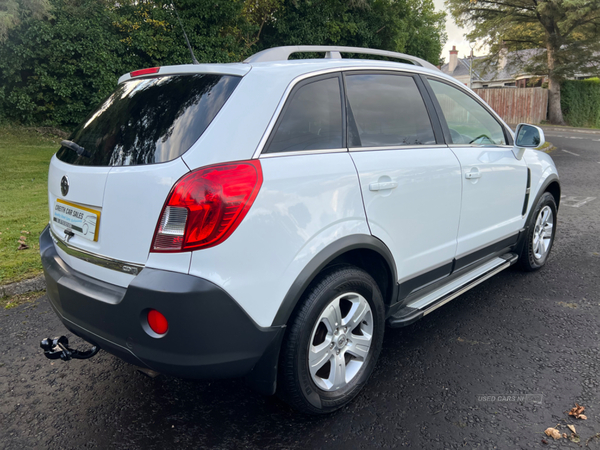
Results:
<point x="580" y="101"/>
<point x="54" y="69"/>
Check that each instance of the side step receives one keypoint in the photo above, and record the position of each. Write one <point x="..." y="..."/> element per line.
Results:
<point x="431" y="301"/>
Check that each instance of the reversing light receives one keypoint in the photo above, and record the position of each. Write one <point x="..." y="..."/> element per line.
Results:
<point x="206" y="206"/>
<point x="157" y="322"/>
<point x="137" y="73"/>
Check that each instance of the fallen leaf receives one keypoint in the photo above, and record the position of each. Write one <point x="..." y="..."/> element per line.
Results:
<point x="572" y="428"/>
<point x="22" y="238"/>
<point x="565" y="435"/>
<point x="574" y="438"/>
<point x="581" y="416"/>
<point x="22" y="246"/>
<point x="553" y="432"/>
<point x="577" y="410"/>
<point x="24" y="232"/>
<point x="544" y="441"/>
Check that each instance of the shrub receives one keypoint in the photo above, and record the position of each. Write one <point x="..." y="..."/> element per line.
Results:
<point x="580" y="101"/>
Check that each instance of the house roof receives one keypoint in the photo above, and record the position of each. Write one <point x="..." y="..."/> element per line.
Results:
<point x="481" y="72"/>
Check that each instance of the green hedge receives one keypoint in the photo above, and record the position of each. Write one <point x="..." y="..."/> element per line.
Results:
<point x="580" y="101"/>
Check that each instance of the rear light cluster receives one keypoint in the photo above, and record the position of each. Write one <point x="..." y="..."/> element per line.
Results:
<point x="206" y="206"/>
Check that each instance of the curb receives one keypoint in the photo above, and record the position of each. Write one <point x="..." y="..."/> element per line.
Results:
<point x="513" y="126"/>
<point x="22" y="287"/>
<point x="577" y="130"/>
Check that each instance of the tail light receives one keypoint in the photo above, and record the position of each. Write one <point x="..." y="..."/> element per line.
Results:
<point x="206" y="206"/>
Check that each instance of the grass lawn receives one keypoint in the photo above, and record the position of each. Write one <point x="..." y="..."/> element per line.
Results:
<point x="24" y="158"/>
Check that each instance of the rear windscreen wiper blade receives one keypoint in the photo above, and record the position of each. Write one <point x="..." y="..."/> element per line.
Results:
<point x="76" y="148"/>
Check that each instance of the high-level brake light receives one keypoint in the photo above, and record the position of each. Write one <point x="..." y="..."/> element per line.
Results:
<point x="137" y="73"/>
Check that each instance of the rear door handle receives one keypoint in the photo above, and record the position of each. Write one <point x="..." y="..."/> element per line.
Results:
<point x="381" y="186"/>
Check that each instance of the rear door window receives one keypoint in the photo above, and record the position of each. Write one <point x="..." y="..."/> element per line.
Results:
<point x="311" y="119"/>
<point x="388" y="110"/>
<point x="150" y="120"/>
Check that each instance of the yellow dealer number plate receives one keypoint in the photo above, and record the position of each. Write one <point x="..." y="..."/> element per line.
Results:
<point x="81" y="220"/>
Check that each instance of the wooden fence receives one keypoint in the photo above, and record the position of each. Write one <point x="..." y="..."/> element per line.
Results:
<point x="516" y="105"/>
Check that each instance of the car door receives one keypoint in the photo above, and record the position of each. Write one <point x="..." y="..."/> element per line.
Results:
<point x="410" y="180"/>
<point x="494" y="181"/>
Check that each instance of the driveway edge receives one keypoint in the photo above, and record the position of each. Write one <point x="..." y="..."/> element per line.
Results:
<point x="22" y="287"/>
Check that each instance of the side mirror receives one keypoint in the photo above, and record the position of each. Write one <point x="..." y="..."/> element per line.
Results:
<point x="527" y="136"/>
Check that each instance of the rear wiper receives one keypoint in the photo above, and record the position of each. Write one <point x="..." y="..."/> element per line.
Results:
<point x="76" y="148"/>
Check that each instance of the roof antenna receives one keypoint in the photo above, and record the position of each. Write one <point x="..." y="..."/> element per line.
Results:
<point x="194" y="60"/>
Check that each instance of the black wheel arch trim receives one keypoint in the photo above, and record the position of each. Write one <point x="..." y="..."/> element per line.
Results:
<point x="320" y="261"/>
<point x="552" y="178"/>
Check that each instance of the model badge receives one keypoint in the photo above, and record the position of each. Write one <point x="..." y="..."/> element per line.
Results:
<point x="64" y="185"/>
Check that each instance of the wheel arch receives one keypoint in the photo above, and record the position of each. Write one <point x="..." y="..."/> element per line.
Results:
<point x="554" y="188"/>
<point x="363" y="251"/>
<point x="552" y="185"/>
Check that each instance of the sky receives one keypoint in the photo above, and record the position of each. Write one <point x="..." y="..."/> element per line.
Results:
<point x="455" y="35"/>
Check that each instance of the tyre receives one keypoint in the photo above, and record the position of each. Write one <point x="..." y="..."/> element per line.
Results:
<point x="333" y="341"/>
<point x="540" y="234"/>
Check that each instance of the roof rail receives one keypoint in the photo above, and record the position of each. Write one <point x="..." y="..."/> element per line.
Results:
<point x="334" y="52"/>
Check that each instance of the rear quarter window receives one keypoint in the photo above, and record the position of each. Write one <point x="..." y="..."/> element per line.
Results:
<point x="311" y="120"/>
<point x="150" y="120"/>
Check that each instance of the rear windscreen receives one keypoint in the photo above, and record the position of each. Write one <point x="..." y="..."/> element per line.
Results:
<point x="150" y="120"/>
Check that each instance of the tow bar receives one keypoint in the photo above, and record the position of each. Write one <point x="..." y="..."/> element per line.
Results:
<point x="59" y="348"/>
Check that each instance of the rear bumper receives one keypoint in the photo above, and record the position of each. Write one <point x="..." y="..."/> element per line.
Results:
<point x="209" y="335"/>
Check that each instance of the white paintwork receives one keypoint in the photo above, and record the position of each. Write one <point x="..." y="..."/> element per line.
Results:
<point x="541" y="166"/>
<point x="86" y="188"/>
<point x="174" y="262"/>
<point x="133" y="200"/>
<point x="492" y="204"/>
<point x="130" y="199"/>
<point x="418" y="220"/>
<point x="305" y="203"/>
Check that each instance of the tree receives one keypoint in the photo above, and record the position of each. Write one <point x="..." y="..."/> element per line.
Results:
<point x="408" y="26"/>
<point x="567" y="31"/>
<point x="12" y="12"/>
<point x="54" y="68"/>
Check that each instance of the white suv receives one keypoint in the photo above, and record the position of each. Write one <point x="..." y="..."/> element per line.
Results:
<point x="268" y="219"/>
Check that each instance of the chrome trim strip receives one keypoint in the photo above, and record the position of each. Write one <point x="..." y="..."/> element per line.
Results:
<point x="295" y="81"/>
<point x="304" y="152"/>
<point x="493" y="146"/>
<point x="468" y="286"/>
<point x="99" y="260"/>
<point x="397" y="147"/>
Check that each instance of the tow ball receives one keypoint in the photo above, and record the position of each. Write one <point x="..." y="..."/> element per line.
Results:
<point x="59" y="348"/>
